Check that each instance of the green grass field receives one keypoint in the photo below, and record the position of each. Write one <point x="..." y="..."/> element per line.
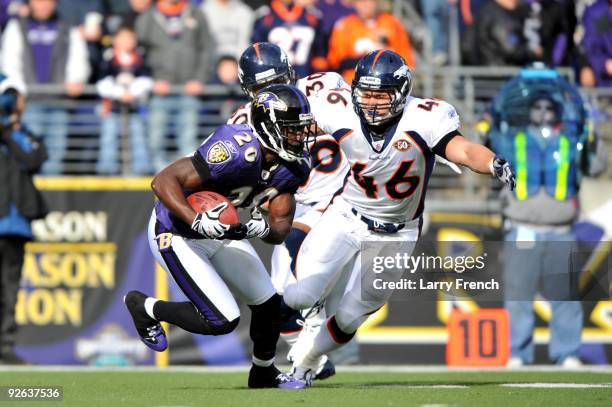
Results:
<point x="347" y="389"/>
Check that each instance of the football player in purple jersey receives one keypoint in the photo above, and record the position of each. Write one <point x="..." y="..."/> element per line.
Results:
<point x="211" y="261"/>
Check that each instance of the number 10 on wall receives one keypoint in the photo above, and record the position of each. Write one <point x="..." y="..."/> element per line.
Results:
<point x="479" y="338"/>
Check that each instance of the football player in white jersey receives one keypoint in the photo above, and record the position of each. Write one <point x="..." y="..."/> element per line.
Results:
<point x="390" y="140"/>
<point x="261" y="64"/>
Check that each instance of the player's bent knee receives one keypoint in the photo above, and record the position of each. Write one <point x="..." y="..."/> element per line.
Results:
<point x="221" y="329"/>
<point x="297" y="298"/>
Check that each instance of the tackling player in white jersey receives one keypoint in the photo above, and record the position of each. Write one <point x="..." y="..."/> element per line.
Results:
<point x="390" y="140"/>
<point x="260" y="65"/>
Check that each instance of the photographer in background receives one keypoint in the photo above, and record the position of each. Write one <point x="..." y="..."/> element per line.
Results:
<point x="21" y="155"/>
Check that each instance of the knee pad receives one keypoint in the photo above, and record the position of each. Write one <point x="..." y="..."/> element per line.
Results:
<point x="225" y="328"/>
<point x="297" y="298"/>
<point x="293" y="242"/>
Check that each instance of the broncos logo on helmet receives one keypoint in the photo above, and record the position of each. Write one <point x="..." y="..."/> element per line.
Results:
<point x="402" y="72"/>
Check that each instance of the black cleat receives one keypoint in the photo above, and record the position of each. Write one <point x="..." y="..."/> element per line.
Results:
<point x="270" y="377"/>
<point x="149" y="330"/>
<point x="326" y="370"/>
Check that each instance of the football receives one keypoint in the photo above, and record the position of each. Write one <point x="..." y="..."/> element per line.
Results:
<point x="205" y="200"/>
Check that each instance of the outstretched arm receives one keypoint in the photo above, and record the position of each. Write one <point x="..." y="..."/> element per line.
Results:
<point x="475" y="156"/>
<point x="479" y="158"/>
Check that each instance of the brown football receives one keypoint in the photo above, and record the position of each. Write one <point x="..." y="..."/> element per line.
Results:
<point x="203" y="201"/>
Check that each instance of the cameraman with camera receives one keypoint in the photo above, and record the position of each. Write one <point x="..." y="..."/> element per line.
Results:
<point x="21" y="155"/>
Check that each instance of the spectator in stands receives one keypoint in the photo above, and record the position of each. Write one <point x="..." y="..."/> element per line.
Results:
<point x="597" y="44"/>
<point x="120" y="13"/>
<point x="230" y="23"/>
<point x="227" y="71"/>
<point x="368" y="29"/>
<point x="435" y="13"/>
<point x="21" y="155"/>
<point x="331" y="12"/>
<point x="540" y="128"/>
<point x="551" y="25"/>
<point x="297" y="30"/>
<point x="178" y="49"/>
<point x="125" y="83"/>
<point x="500" y="38"/>
<point x="43" y="49"/>
<point x="88" y="17"/>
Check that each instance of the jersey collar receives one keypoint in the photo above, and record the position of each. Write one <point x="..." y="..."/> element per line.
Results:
<point x="388" y="135"/>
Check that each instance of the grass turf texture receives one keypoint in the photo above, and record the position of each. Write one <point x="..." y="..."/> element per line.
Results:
<point x="159" y="388"/>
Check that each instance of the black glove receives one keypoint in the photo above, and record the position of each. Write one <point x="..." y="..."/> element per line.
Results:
<point x="235" y="232"/>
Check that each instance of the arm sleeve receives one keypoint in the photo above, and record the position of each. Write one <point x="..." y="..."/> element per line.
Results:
<point x="593" y="45"/>
<point x="221" y="156"/>
<point x="440" y="147"/>
<point x="12" y="51"/>
<point x="77" y="66"/>
<point x="447" y="122"/>
<point x="200" y="165"/>
<point x="108" y="88"/>
<point x="331" y="116"/>
<point x="27" y="148"/>
<point x="141" y="86"/>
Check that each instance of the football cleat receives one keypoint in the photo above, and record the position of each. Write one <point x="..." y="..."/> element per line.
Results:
<point x="303" y="375"/>
<point x="149" y="330"/>
<point x="325" y="370"/>
<point x="270" y="377"/>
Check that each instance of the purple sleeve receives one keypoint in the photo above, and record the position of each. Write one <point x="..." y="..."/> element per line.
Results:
<point x="221" y="155"/>
<point x="559" y="49"/>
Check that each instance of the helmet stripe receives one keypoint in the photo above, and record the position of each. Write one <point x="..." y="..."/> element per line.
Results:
<point x="378" y="54"/>
<point x="256" y="47"/>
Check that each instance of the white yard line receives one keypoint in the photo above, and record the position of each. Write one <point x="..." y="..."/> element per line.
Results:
<point x="558" y="385"/>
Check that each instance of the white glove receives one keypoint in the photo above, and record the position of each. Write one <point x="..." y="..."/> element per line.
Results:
<point x="208" y="224"/>
<point x="501" y="169"/>
<point x="257" y="226"/>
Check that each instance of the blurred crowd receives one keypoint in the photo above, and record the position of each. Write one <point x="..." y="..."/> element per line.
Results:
<point x="144" y="50"/>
